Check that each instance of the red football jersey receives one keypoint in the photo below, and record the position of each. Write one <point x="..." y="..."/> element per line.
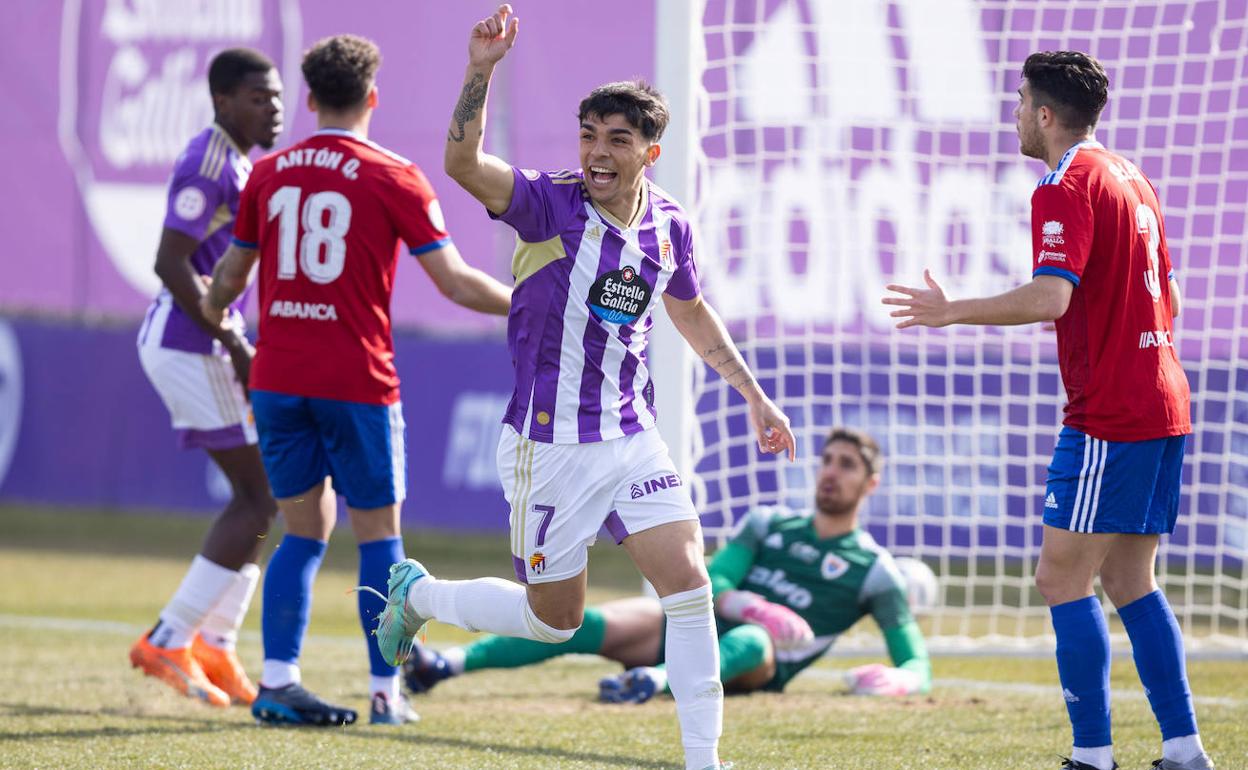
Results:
<point x="327" y="216"/>
<point x="1096" y="221"/>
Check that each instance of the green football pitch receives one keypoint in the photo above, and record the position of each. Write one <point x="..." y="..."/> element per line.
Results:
<point x="76" y="589"/>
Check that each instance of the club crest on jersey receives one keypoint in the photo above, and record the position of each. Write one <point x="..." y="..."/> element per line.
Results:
<point x="620" y="296"/>
<point x="537" y="562"/>
<point x="833" y="567"/>
<point x="1051" y="233"/>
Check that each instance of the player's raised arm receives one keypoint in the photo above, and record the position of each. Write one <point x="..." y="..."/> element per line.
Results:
<point x="487" y="177"/>
<point x="701" y="327"/>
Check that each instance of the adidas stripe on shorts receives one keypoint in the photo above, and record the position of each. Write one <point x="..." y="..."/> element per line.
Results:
<point x="1114" y="486"/>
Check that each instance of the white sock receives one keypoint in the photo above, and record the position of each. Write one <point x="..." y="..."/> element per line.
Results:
<point x="1183" y="748"/>
<point x="455" y="659"/>
<point x="204" y="585"/>
<point x="386" y="685"/>
<point x="486" y="604"/>
<point x="279" y="673"/>
<point x="1101" y="757"/>
<point x="220" y="627"/>
<point x="693" y="674"/>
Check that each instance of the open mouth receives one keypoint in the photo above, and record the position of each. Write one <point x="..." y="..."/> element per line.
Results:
<point x="601" y="175"/>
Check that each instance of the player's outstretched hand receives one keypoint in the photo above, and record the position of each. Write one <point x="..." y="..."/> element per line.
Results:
<point x="771" y="427"/>
<point x="919" y="307"/>
<point x="492" y="38"/>
<point x="787" y="629"/>
<point x="879" y="679"/>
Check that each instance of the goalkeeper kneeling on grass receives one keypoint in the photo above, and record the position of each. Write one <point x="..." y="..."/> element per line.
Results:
<point x="785" y="587"/>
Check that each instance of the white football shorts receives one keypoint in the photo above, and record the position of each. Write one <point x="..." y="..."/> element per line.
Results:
<point x="207" y="405"/>
<point x="561" y="495"/>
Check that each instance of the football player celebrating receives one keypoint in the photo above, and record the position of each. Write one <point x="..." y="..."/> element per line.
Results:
<point x="1101" y="268"/>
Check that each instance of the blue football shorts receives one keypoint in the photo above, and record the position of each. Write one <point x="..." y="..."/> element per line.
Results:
<point x="360" y="446"/>
<point x="1114" y="486"/>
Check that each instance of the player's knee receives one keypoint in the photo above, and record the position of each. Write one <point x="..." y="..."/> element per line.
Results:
<point x="554" y="627"/>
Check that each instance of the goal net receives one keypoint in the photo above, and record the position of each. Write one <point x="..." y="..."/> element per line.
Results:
<point x="840" y="146"/>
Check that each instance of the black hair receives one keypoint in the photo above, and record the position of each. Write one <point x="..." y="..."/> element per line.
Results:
<point x="640" y="103"/>
<point x="867" y="447"/>
<point x="228" y="68"/>
<point x="340" y="70"/>
<point x="1072" y="84"/>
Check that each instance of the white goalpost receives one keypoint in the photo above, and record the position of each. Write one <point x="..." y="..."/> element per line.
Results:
<point x="827" y="148"/>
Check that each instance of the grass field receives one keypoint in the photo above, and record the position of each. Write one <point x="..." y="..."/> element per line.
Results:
<point x="76" y="589"/>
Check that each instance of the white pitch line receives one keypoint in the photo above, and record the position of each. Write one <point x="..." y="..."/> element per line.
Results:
<point x="116" y="628"/>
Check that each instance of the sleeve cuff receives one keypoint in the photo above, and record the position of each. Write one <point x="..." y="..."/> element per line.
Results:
<point x="1059" y="272"/>
<point x="416" y="251"/>
<point x="239" y="242"/>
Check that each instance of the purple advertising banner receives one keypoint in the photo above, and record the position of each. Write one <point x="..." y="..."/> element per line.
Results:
<point x="112" y="90"/>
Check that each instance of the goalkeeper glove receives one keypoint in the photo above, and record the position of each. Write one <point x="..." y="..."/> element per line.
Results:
<point x="878" y="679"/>
<point x="787" y="629"/>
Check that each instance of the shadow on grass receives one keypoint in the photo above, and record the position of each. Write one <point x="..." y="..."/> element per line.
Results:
<point x="196" y="725"/>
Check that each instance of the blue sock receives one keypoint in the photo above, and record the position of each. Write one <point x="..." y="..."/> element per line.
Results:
<point x="1157" y="645"/>
<point x="1083" y="666"/>
<point x="288" y="596"/>
<point x="375" y="560"/>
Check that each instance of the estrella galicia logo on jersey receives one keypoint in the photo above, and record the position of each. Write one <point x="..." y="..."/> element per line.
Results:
<point x="833" y="567"/>
<point x="669" y="481"/>
<point x="620" y="296"/>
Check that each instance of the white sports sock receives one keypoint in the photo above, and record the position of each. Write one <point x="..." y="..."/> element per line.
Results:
<point x="455" y="659"/>
<point x="204" y="585"/>
<point x="486" y="604"/>
<point x="693" y="674"/>
<point x="386" y="685"/>
<point x="279" y="673"/>
<point x="1101" y="757"/>
<point x="1183" y="748"/>
<point x="220" y="627"/>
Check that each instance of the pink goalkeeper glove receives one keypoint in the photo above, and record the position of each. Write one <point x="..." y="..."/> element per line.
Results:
<point x="878" y="679"/>
<point x="787" y="629"/>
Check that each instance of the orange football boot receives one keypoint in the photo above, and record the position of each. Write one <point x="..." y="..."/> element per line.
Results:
<point x="224" y="670"/>
<point x="178" y="669"/>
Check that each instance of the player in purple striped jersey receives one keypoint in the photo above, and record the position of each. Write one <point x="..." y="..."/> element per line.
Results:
<point x="597" y="247"/>
<point x="200" y="371"/>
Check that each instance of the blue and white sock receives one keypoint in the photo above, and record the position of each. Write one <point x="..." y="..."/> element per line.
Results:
<point x="287" y="605"/>
<point x="1083" y="666"/>
<point x="375" y="560"/>
<point x="1157" y="645"/>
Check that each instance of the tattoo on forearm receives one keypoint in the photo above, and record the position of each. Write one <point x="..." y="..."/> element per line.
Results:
<point x="731" y="367"/>
<point x="471" y="100"/>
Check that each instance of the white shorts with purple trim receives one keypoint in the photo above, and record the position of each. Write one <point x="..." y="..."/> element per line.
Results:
<point x="561" y="495"/>
<point x="205" y="401"/>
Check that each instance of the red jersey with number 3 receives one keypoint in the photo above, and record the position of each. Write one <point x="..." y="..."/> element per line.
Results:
<point x="1096" y="221"/>
<point x="327" y="216"/>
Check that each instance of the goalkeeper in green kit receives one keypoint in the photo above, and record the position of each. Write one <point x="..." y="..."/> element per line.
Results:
<point x="785" y="586"/>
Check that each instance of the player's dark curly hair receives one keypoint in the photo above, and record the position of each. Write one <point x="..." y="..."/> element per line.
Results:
<point x="1072" y="84"/>
<point x="339" y="70"/>
<point x="867" y="447"/>
<point x="640" y="103"/>
<point x="228" y="68"/>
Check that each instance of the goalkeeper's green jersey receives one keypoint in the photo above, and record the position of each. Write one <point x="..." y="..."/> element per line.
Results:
<point x="831" y="583"/>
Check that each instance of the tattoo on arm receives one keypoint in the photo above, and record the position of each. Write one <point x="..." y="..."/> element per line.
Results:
<point x="731" y="367"/>
<point x="471" y="100"/>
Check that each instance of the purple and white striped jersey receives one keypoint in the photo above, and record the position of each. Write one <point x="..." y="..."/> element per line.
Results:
<point x="203" y="201"/>
<point x="585" y="286"/>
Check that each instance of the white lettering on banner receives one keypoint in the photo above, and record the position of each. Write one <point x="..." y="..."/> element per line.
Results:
<point x="472" y="441"/>
<point x="863" y="222"/>
<point x="161" y="20"/>
<point x="10" y="396"/>
<point x="316" y="311"/>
